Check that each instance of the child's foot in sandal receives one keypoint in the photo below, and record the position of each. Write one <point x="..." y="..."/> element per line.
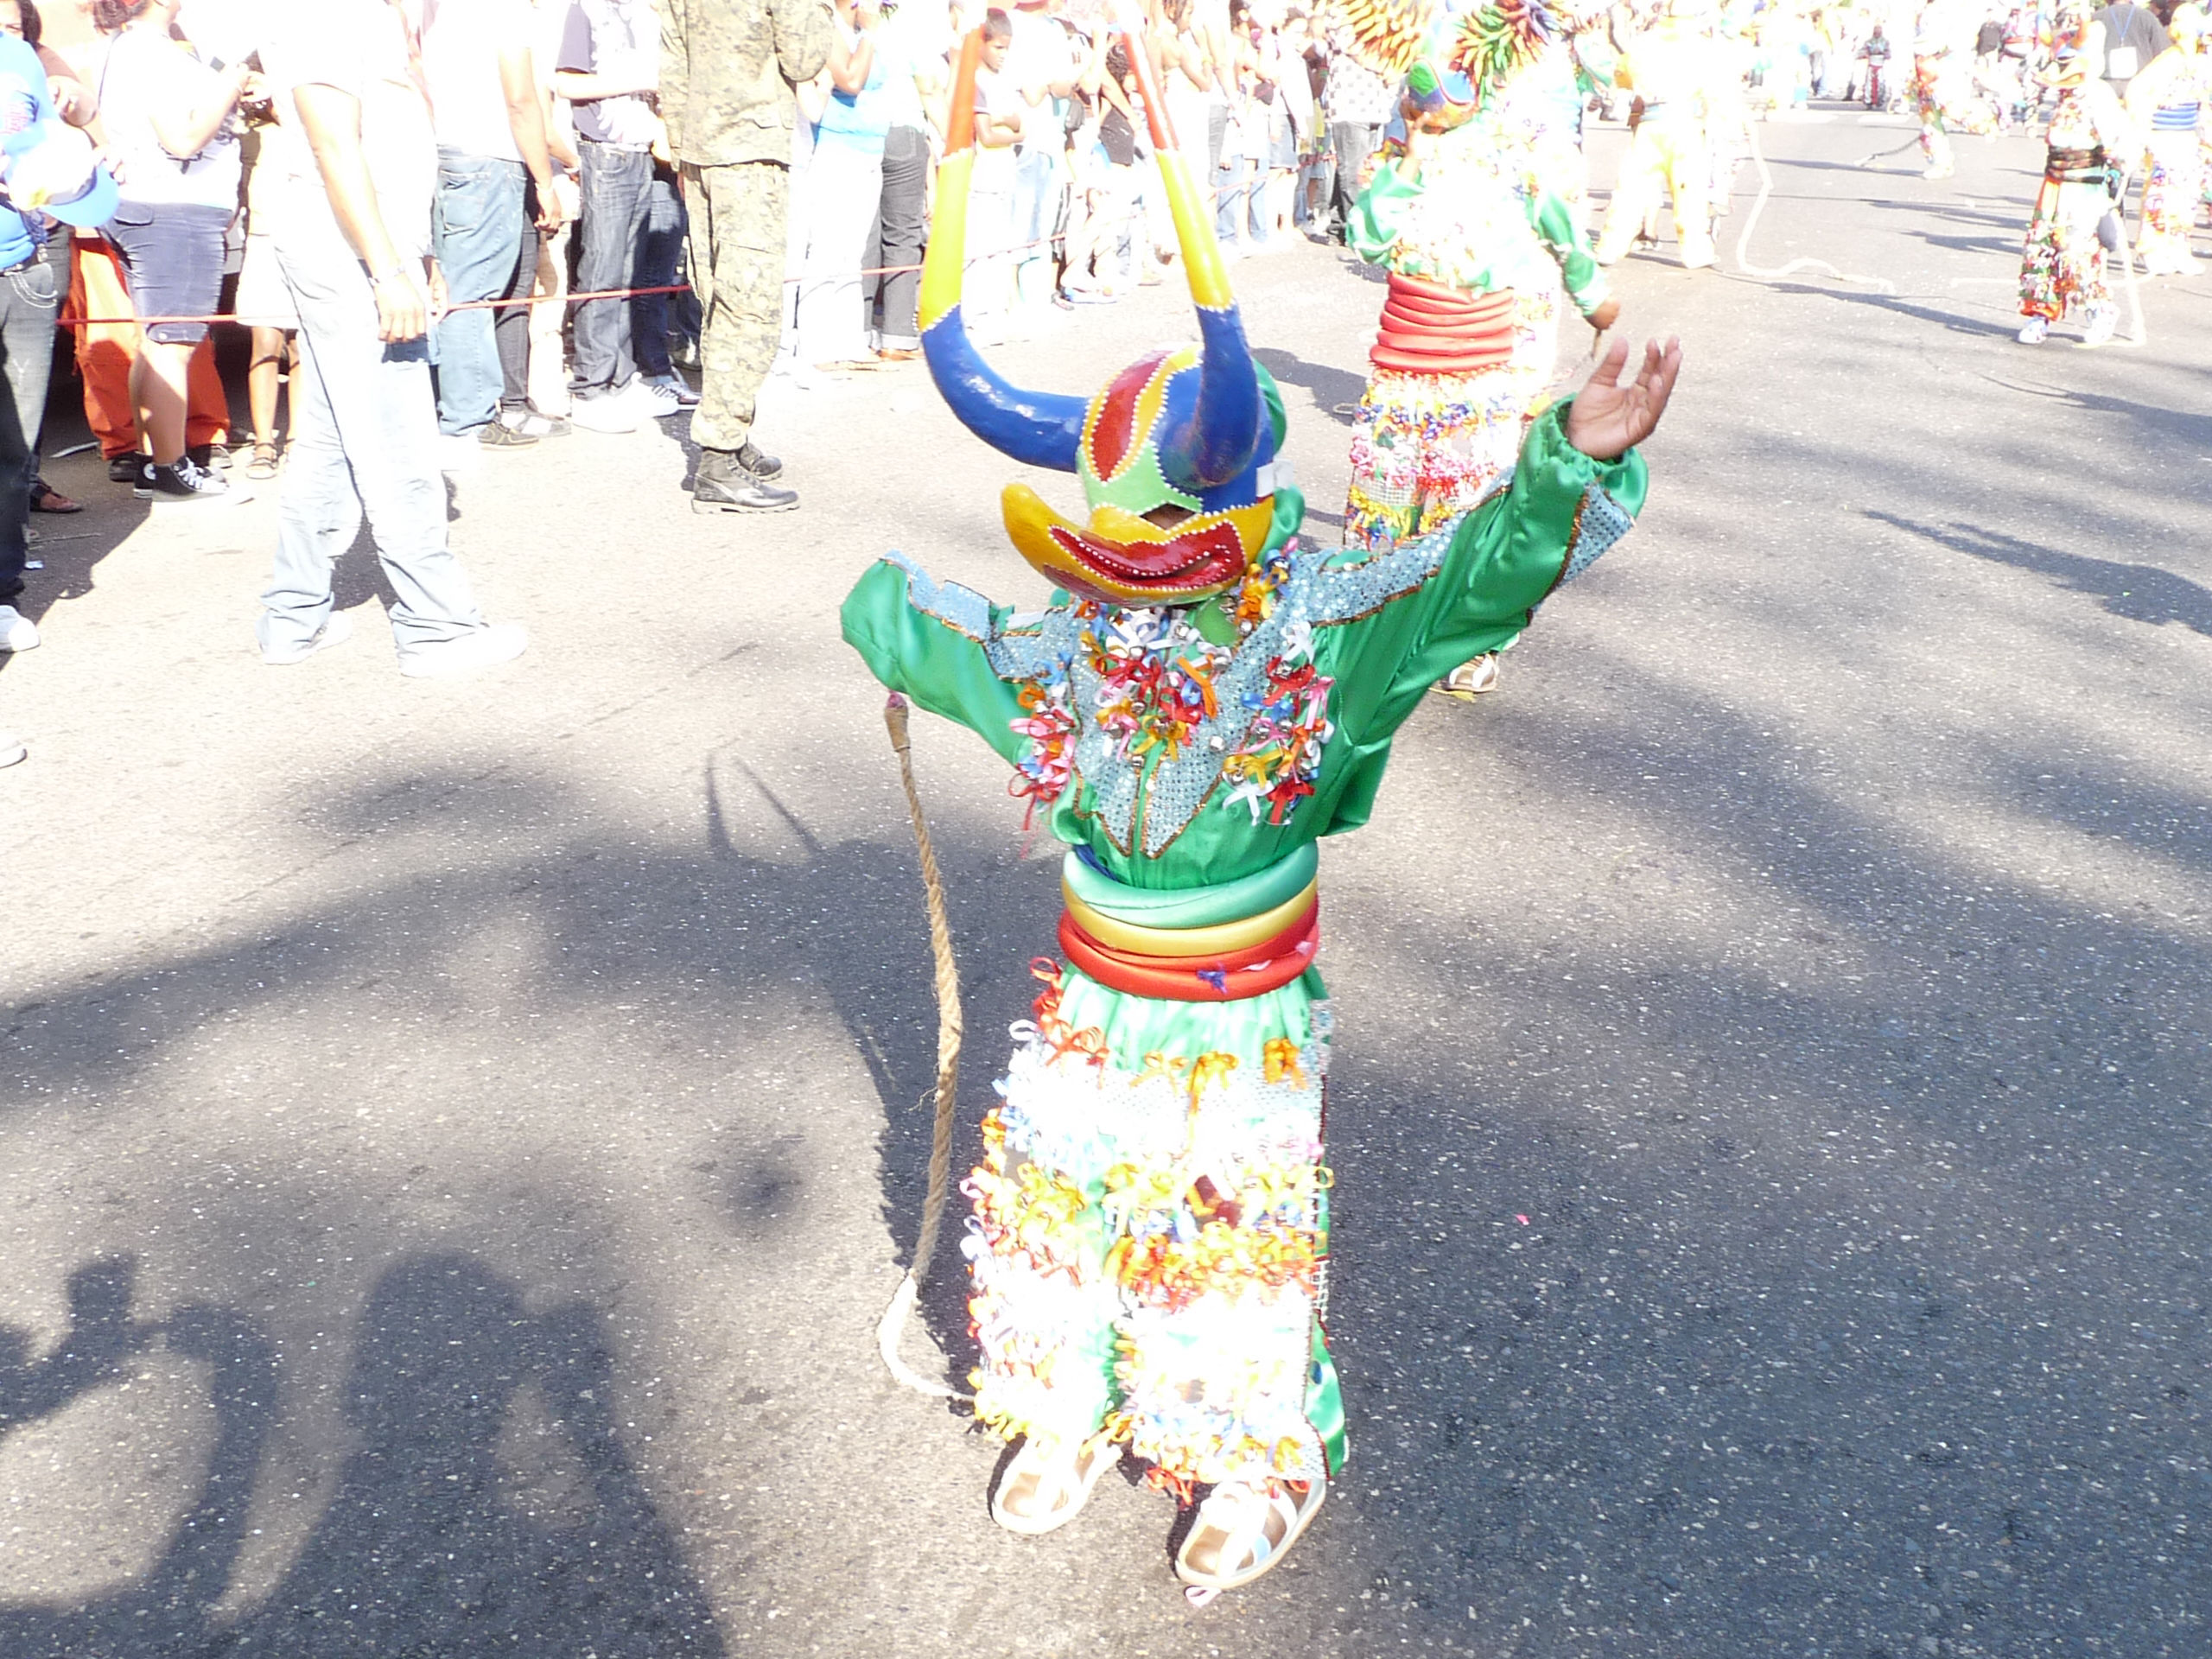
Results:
<point x="263" y="464"/>
<point x="1244" y="1529"/>
<point x="1045" y="1484"/>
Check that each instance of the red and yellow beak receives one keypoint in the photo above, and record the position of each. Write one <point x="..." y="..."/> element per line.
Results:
<point x="1121" y="559"/>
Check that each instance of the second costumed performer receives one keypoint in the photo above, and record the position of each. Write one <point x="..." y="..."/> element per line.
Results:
<point x="1203" y="697"/>
<point x="1478" y="241"/>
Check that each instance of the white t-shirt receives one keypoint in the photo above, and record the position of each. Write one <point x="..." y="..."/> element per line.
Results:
<point x="913" y="39"/>
<point x="359" y="47"/>
<point x="460" y="65"/>
<point x="614" y="37"/>
<point x="144" y="69"/>
<point x="1038" y="54"/>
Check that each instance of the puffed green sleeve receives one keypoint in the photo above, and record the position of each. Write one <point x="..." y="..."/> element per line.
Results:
<point x="1561" y="511"/>
<point x="929" y="643"/>
<point x="1560" y="229"/>
<point x="1378" y="216"/>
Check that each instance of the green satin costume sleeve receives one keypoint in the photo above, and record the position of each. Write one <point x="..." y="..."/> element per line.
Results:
<point x="1562" y="510"/>
<point x="1377" y="217"/>
<point x="1560" y="232"/>
<point x="1512" y="551"/>
<point x="940" y="668"/>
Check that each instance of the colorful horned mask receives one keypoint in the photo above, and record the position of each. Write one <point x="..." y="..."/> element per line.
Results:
<point x="1176" y="454"/>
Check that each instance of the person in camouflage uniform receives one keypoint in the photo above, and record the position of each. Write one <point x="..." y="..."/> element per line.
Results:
<point x="729" y="69"/>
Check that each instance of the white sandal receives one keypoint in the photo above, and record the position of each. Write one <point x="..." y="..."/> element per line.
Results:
<point x="1241" y="1531"/>
<point x="1047" y="1489"/>
<point x="1471" y="678"/>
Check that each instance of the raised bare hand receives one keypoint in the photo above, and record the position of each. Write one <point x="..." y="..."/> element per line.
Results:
<point x="1607" y="419"/>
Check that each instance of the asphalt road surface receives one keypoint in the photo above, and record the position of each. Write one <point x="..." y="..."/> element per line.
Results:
<point x="456" y="1139"/>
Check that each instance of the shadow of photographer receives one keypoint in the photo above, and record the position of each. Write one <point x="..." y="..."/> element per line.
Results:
<point x="489" y="1506"/>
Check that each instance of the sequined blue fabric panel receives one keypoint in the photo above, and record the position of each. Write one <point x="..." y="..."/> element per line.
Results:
<point x="1600" y="522"/>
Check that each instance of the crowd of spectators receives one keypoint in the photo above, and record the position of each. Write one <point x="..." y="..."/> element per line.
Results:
<point x="1065" y="209"/>
<point x="394" y="201"/>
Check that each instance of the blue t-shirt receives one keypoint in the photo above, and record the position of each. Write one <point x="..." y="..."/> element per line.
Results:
<point x="862" y="119"/>
<point x="24" y="102"/>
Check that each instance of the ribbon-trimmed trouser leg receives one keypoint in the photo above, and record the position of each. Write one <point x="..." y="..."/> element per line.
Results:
<point x="1149" y="1241"/>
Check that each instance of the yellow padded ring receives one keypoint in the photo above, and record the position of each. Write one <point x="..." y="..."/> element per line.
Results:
<point x="1219" y="940"/>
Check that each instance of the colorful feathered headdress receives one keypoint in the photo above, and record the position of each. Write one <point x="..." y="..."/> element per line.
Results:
<point x="1451" y="55"/>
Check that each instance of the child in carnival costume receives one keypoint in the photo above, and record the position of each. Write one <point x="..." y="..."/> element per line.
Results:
<point x="1945" y="92"/>
<point x="2168" y="100"/>
<point x="1203" y="698"/>
<point x="1473" y="210"/>
<point x="2063" y="264"/>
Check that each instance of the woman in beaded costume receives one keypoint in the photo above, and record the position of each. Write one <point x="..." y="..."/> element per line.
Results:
<point x="2062" y="261"/>
<point x="1205" y="695"/>
<point x="1473" y="208"/>
<point x="2168" y="100"/>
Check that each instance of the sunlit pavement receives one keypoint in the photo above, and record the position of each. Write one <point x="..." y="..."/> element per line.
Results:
<point x="457" y="1137"/>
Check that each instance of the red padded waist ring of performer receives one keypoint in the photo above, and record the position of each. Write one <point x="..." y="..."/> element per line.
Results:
<point x="1429" y="329"/>
<point x="1230" y="978"/>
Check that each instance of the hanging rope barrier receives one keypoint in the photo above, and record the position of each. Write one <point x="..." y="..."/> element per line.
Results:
<point x="893" y="1322"/>
<point x="548" y="299"/>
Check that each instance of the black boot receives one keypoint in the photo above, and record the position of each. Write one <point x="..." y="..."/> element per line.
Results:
<point x="758" y="461"/>
<point x="722" y="483"/>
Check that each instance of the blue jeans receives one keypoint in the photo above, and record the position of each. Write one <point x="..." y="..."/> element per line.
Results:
<point x="477" y="229"/>
<point x="660" y="251"/>
<point x="617" y="188"/>
<point x="364" y="438"/>
<point x="1237" y="199"/>
<point x="1036" y="216"/>
<point x="27" y="304"/>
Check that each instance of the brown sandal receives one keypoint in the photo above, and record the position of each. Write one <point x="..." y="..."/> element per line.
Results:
<point x="263" y="464"/>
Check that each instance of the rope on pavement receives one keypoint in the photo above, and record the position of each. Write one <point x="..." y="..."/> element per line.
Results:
<point x="1776" y="273"/>
<point x="893" y="1322"/>
<point x="2126" y="254"/>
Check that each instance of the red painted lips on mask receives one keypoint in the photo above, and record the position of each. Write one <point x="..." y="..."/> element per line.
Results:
<point x="1205" y="559"/>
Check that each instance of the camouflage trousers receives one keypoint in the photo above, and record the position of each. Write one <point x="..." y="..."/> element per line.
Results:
<point x="737" y="271"/>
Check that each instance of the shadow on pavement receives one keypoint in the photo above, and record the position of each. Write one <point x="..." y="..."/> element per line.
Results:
<point x="167" y="1611"/>
<point x="1951" y="320"/>
<point x="2140" y="592"/>
<point x="451" y="1533"/>
<point x="1884" y="1328"/>
<point x="1333" y="388"/>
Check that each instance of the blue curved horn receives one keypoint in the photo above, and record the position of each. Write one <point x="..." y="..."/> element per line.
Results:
<point x="1221" y="436"/>
<point x="1040" y="428"/>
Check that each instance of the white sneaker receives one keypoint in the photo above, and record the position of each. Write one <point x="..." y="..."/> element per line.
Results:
<point x="17" y="631"/>
<point x="613" y="412"/>
<point x="2103" y="324"/>
<point x="337" y="628"/>
<point x="649" y="398"/>
<point x="12" y="750"/>
<point x="676" y="387"/>
<point x="494" y="643"/>
<point x="460" y="451"/>
<point x="2033" y="332"/>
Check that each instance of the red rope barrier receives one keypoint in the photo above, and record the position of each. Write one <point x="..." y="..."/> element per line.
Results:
<point x="548" y="299"/>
